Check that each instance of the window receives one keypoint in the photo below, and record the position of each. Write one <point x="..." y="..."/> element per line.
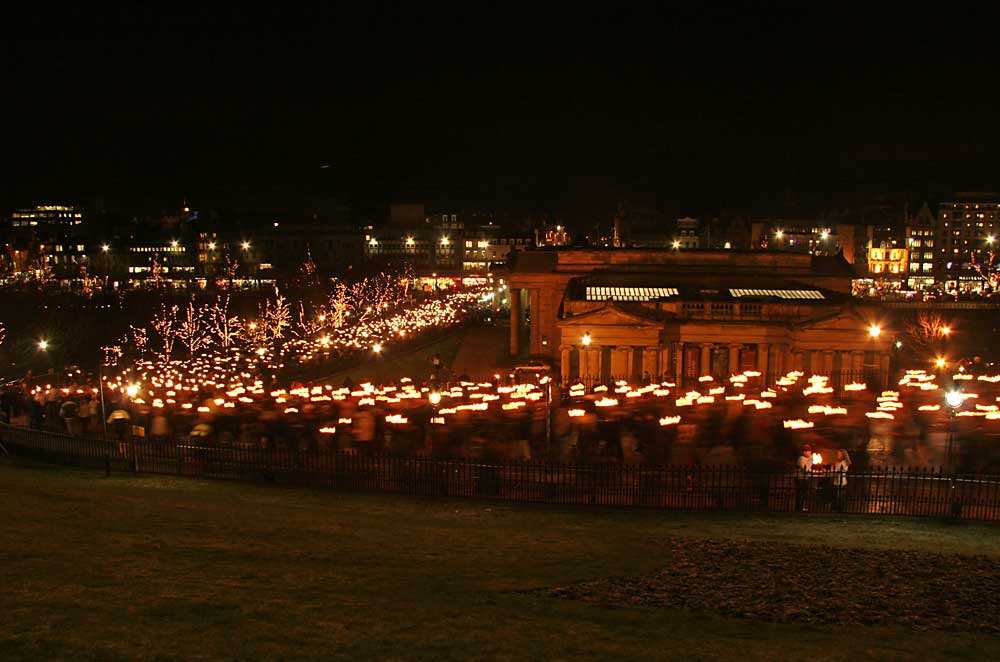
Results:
<point x="468" y="244"/>
<point x="722" y="310"/>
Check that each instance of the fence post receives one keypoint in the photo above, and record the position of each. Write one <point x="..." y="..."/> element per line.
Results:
<point x="177" y="457"/>
<point x="107" y="458"/>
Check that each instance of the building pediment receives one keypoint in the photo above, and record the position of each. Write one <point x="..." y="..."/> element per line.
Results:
<point x="848" y="318"/>
<point x="610" y="315"/>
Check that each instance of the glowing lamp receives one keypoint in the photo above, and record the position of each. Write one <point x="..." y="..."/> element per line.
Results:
<point x="954" y="399"/>
<point x="874" y="331"/>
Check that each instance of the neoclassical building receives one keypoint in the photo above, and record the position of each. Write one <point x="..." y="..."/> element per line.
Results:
<point x="623" y="313"/>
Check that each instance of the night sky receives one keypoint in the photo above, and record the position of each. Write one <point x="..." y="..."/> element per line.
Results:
<point x="505" y="107"/>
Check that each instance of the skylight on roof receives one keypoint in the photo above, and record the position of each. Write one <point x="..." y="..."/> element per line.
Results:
<point x="779" y="294"/>
<point x="639" y="294"/>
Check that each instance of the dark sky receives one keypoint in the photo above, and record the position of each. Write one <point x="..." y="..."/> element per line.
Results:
<point x="506" y="106"/>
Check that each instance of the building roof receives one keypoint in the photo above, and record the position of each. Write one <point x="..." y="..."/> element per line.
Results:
<point x="640" y="287"/>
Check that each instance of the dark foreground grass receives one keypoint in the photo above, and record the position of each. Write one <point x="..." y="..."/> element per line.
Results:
<point x="176" y="569"/>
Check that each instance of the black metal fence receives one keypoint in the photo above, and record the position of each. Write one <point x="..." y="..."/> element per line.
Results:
<point x="886" y="491"/>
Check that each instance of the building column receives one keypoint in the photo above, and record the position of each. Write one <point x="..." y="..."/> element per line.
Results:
<point x="883" y="370"/>
<point x="706" y="359"/>
<point x="828" y="363"/>
<point x="619" y="363"/>
<point x="565" y="360"/>
<point x="679" y="363"/>
<point x="534" y="326"/>
<point x="651" y="362"/>
<point x="595" y="361"/>
<point x="663" y="368"/>
<point x="846" y="370"/>
<point x="515" y="320"/>
<point x="858" y="364"/>
<point x="734" y="359"/>
<point x="763" y="350"/>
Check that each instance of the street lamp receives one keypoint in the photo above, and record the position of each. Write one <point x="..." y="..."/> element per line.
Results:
<point x="954" y="400"/>
<point x="43" y="345"/>
<point x="434" y="398"/>
<point x="131" y="390"/>
<point x="676" y="244"/>
<point x="245" y="245"/>
<point x="377" y="348"/>
<point x="586" y="339"/>
<point x="940" y="362"/>
<point x="945" y="330"/>
<point x="105" y="248"/>
<point x="874" y="331"/>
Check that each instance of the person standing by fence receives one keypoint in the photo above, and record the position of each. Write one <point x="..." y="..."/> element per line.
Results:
<point x="839" y="468"/>
<point x="802" y="478"/>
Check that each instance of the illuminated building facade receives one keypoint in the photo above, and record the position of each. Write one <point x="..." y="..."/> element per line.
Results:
<point x="888" y="263"/>
<point x="604" y="314"/>
<point x="48" y="234"/>
<point x="967" y="226"/>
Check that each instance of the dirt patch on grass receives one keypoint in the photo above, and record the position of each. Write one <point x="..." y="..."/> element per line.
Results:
<point x="811" y="584"/>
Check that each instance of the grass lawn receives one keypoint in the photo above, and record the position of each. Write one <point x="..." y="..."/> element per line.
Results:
<point x="159" y="568"/>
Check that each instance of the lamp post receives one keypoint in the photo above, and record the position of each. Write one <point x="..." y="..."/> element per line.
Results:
<point x="954" y="400"/>
<point x="546" y="381"/>
<point x="874" y="331"/>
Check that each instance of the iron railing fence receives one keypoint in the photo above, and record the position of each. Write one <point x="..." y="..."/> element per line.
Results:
<point x="922" y="492"/>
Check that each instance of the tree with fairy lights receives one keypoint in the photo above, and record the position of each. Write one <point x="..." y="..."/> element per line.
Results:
<point x="165" y="327"/>
<point x="988" y="269"/>
<point x="308" y="276"/>
<point x="275" y="317"/>
<point x="192" y="331"/>
<point x="307" y="324"/>
<point x="227" y="330"/>
<point x="339" y="304"/>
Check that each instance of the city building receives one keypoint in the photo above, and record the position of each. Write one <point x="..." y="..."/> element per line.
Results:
<point x="888" y="263"/>
<point x="967" y="227"/>
<point x="921" y="231"/>
<point x="50" y="238"/>
<point x="811" y="236"/>
<point x="605" y="314"/>
<point x="687" y="235"/>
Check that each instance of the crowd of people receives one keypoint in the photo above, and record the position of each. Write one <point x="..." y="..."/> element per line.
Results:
<point x="737" y="421"/>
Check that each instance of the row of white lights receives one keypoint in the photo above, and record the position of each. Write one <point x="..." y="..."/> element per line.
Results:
<point x="410" y="241"/>
<point x="174" y="243"/>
